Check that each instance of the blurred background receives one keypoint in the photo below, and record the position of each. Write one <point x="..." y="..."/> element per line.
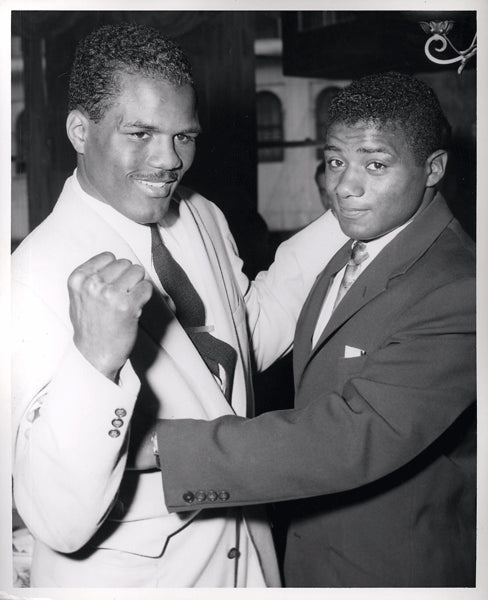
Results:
<point x="265" y="80"/>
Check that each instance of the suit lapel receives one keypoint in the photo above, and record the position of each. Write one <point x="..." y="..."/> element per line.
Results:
<point x="393" y="261"/>
<point x="221" y="292"/>
<point x="311" y="309"/>
<point x="216" y="276"/>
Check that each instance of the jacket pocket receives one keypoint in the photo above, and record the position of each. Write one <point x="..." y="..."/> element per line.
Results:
<point x="347" y="368"/>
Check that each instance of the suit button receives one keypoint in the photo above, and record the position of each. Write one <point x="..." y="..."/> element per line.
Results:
<point x="212" y="496"/>
<point x="233" y="553"/>
<point x="113" y="433"/>
<point x="223" y="495"/>
<point x="120" y="412"/>
<point x="200" y="496"/>
<point x="188" y="497"/>
<point x="117" y="422"/>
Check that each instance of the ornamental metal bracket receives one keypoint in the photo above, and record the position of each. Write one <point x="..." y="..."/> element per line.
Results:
<point x="439" y="31"/>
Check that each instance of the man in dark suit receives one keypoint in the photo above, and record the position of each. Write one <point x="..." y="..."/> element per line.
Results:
<point x="379" y="453"/>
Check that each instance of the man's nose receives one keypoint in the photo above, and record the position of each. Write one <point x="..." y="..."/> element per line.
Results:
<point x="350" y="183"/>
<point x="163" y="154"/>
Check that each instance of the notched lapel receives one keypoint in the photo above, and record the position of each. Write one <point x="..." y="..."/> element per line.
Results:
<point x="369" y="284"/>
<point x="307" y="320"/>
<point x="221" y="290"/>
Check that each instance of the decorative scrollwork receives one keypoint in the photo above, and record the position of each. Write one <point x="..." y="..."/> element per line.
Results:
<point x="439" y="31"/>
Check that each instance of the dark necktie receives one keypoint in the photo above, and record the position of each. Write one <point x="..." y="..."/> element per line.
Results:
<point x="359" y="254"/>
<point x="190" y="311"/>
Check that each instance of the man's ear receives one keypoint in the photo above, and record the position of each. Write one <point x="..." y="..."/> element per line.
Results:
<point x="77" y="129"/>
<point x="436" y="167"/>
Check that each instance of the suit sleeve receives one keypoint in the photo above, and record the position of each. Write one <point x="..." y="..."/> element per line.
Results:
<point x="407" y="393"/>
<point x="67" y="463"/>
<point x="276" y="296"/>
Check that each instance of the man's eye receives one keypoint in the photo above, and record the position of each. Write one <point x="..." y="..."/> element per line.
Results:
<point x="139" y="135"/>
<point x="376" y="167"/>
<point x="334" y="163"/>
<point x="184" y="139"/>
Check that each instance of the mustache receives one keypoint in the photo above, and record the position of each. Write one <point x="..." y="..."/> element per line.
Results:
<point x="161" y="177"/>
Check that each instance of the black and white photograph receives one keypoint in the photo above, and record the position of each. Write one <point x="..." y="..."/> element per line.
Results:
<point x="242" y="282"/>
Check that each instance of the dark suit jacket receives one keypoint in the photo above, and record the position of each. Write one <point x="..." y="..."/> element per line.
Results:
<point x="379" y="452"/>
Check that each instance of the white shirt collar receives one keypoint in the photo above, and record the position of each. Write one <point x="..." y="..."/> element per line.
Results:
<point x="374" y="247"/>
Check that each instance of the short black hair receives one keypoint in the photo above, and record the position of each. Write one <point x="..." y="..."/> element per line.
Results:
<point x="395" y="100"/>
<point x="123" y="48"/>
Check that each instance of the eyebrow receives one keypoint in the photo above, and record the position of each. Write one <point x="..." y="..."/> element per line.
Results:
<point x="363" y="150"/>
<point x="147" y="127"/>
<point x="377" y="150"/>
<point x="139" y="124"/>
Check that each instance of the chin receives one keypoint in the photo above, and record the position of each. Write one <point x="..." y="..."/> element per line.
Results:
<point x="357" y="231"/>
<point x="150" y="214"/>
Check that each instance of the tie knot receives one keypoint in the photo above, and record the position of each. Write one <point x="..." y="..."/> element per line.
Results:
<point x="359" y="253"/>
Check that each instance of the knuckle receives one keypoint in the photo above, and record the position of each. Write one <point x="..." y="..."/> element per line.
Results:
<point x="94" y="284"/>
<point x="125" y="263"/>
<point x="99" y="261"/>
<point x="146" y="288"/>
<point x="77" y="279"/>
<point x="107" y="291"/>
<point x="102" y="258"/>
<point x="138" y="270"/>
<point x="124" y="306"/>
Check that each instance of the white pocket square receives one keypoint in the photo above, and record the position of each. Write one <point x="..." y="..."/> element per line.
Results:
<point x="351" y="352"/>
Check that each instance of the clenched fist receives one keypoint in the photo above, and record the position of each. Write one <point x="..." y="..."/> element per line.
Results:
<point x="106" y="299"/>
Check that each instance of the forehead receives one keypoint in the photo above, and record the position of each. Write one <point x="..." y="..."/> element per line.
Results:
<point x="139" y="95"/>
<point x="368" y="137"/>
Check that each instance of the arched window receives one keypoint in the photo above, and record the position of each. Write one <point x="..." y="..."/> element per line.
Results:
<point x="321" y="111"/>
<point x="270" y="127"/>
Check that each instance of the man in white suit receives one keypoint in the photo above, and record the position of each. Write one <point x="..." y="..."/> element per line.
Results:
<point x="97" y="348"/>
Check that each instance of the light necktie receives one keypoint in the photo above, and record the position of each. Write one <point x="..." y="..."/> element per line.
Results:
<point x="190" y="311"/>
<point x="359" y="254"/>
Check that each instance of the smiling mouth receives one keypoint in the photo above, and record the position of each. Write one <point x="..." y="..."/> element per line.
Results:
<point x="155" y="184"/>
<point x="157" y="187"/>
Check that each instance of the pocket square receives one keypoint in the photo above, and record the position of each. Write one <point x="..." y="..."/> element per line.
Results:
<point x="351" y="352"/>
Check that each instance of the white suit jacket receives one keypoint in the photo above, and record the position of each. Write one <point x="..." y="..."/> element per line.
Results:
<point x="70" y="482"/>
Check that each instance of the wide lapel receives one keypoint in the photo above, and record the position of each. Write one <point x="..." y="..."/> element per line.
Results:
<point x="223" y="295"/>
<point x="213" y="274"/>
<point x="307" y="320"/>
<point x="394" y="260"/>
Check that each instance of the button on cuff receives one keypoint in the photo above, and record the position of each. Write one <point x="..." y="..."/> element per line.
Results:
<point x="188" y="497"/>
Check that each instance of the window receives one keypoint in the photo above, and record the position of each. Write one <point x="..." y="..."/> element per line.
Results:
<point x="321" y="111"/>
<point x="270" y="127"/>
